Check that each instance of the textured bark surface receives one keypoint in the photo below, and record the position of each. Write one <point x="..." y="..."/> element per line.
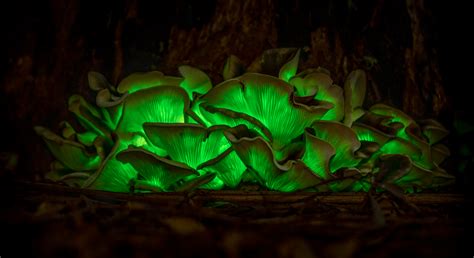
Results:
<point x="423" y="91"/>
<point x="241" y="28"/>
<point x="57" y="221"/>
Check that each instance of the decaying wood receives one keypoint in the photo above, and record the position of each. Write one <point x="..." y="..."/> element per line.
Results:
<point x="423" y="91"/>
<point x="244" y="29"/>
<point x="268" y="197"/>
<point x="227" y="223"/>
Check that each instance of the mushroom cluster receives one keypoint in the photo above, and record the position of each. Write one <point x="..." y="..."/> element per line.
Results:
<point x="288" y="132"/>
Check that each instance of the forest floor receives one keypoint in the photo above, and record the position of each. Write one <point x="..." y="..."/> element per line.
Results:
<point x="43" y="220"/>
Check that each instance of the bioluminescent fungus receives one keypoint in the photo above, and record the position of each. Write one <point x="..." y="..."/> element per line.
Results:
<point x="264" y="102"/>
<point x="258" y="155"/>
<point x="71" y="154"/>
<point x="319" y="84"/>
<point x="267" y="124"/>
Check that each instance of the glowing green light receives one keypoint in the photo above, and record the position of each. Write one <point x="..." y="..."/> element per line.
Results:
<point x="267" y="100"/>
<point x="257" y="155"/>
<point x="141" y="81"/>
<point x="354" y="95"/>
<point x="317" y="155"/>
<point x="155" y="170"/>
<point x="89" y="116"/>
<point x="289" y="69"/>
<point x="366" y="137"/>
<point x="115" y="176"/>
<point x="155" y="133"/>
<point x="229" y="169"/>
<point x="343" y="139"/>
<point x="320" y="85"/>
<point x="368" y="133"/>
<point x="195" y="80"/>
<point x="71" y="154"/>
<point x="87" y="138"/>
<point x="188" y="143"/>
<point x="205" y="149"/>
<point x="215" y="184"/>
<point x="219" y="116"/>
<point x="165" y="104"/>
<point x="397" y="115"/>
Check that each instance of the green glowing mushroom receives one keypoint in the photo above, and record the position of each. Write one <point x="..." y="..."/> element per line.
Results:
<point x="193" y="81"/>
<point x="320" y="85"/>
<point x="198" y="157"/>
<point x="156" y="171"/>
<point x="344" y="141"/>
<point x="264" y="102"/>
<point x="90" y="117"/>
<point x="72" y="154"/>
<point x="330" y="152"/>
<point x="258" y="156"/>
<point x="163" y="104"/>
<point x="233" y="67"/>
<point x="204" y="149"/>
<point x="288" y="70"/>
<point x="419" y="178"/>
<point x="112" y="175"/>
<point x="284" y="130"/>
<point x="354" y="95"/>
<point x="168" y="104"/>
